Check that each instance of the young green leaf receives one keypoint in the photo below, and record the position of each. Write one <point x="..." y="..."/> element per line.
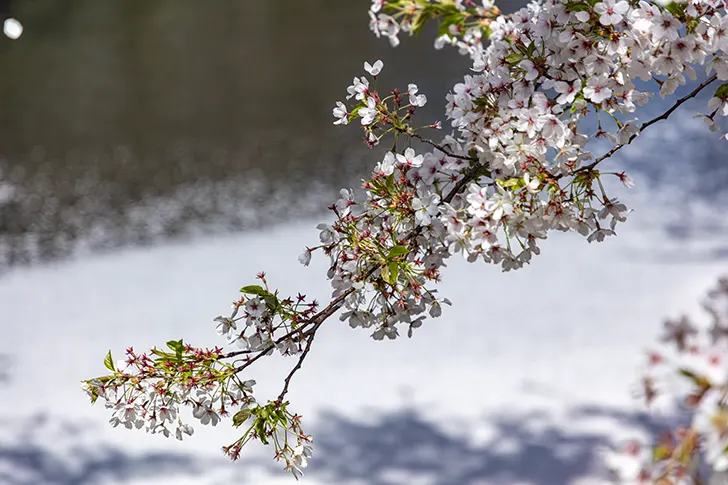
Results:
<point x="253" y="290"/>
<point x="722" y="91"/>
<point x="397" y="251"/>
<point x="241" y="416"/>
<point x="393" y="273"/>
<point x="109" y="362"/>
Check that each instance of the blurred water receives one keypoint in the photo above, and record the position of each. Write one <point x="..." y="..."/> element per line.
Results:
<point x="124" y="121"/>
<point x="128" y="121"/>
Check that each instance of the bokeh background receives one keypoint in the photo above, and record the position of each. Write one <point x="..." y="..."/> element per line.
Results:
<point x="156" y="154"/>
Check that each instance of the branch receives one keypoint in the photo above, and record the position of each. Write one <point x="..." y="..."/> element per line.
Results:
<point x="469" y="175"/>
<point x="460" y="185"/>
<point x="287" y="381"/>
<point x="317" y="319"/>
<point x="440" y="147"/>
<point x="647" y="124"/>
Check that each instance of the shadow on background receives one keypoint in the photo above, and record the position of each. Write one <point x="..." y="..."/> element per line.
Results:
<point x="46" y="450"/>
<point x="404" y="448"/>
<point x="399" y="448"/>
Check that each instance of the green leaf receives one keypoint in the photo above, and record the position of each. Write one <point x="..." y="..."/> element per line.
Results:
<point x="677" y="9"/>
<point x="688" y="373"/>
<point x="390" y="181"/>
<point x="271" y="302"/>
<point x="444" y="28"/>
<point x="397" y="251"/>
<point x="253" y="290"/>
<point x="722" y="91"/>
<point x="175" y="345"/>
<point x="660" y="452"/>
<point x="393" y="272"/>
<point x="573" y="105"/>
<point x="699" y="380"/>
<point x="577" y="7"/>
<point x="282" y="417"/>
<point x="160" y="353"/>
<point x="522" y="49"/>
<point x="447" y="21"/>
<point x="178" y="347"/>
<point x="487" y="31"/>
<point x="513" y="58"/>
<point x="109" y="362"/>
<point x="94" y="395"/>
<point x="354" y="114"/>
<point x="241" y="416"/>
<point x="513" y="183"/>
<point x="385" y="273"/>
<point x="260" y="429"/>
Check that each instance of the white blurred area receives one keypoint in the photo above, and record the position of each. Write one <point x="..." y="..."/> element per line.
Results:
<point x="12" y="28"/>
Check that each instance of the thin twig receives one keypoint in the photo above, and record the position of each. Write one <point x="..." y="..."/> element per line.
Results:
<point x="467" y="178"/>
<point x="440" y="147"/>
<point x="469" y="175"/>
<point x="649" y="123"/>
<point x="312" y="335"/>
<point x="330" y="309"/>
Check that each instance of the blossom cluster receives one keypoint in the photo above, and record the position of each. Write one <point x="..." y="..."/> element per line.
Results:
<point x="462" y="23"/>
<point x="690" y="368"/>
<point x="515" y="168"/>
<point x="261" y="321"/>
<point x="146" y="392"/>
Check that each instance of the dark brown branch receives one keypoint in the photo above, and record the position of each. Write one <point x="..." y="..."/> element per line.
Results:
<point x="317" y="319"/>
<point x="286" y="383"/>
<point x="440" y="147"/>
<point x="460" y="185"/>
<point x="469" y="175"/>
<point x="649" y="123"/>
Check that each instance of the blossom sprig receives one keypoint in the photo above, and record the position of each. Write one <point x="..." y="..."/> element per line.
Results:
<point x="260" y="319"/>
<point x="379" y="115"/>
<point x="274" y="424"/>
<point x="147" y="389"/>
<point x="690" y="368"/>
<point x="464" y="24"/>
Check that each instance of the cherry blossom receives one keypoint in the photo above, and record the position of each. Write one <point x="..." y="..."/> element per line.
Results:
<point x="375" y="69"/>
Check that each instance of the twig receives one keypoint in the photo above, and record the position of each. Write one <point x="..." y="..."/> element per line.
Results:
<point x="295" y="369"/>
<point x="469" y="175"/>
<point x="317" y="319"/>
<point x="467" y="178"/>
<point x="649" y="123"/>
<point x="440" y="147"/>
